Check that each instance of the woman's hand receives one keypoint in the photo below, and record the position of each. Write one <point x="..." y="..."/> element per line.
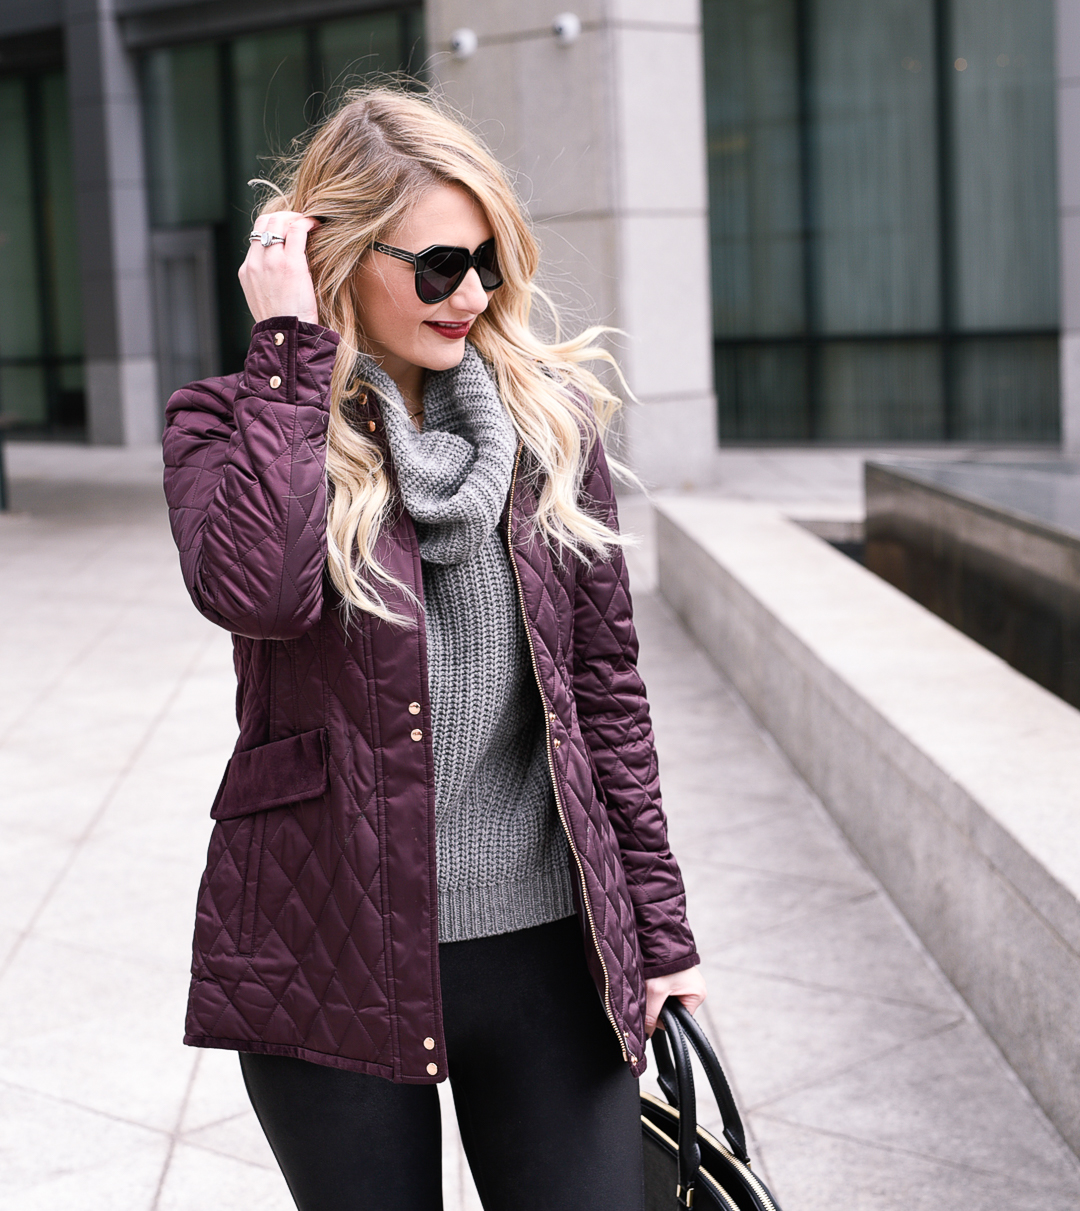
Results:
<point x="688" y="986"/>
<point x="276" y="280"/>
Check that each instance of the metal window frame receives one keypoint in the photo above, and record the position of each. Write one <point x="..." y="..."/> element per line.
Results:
<point x="153" y="24"/>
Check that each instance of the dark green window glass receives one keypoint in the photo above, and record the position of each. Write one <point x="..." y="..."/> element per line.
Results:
<point x="60" y="230"/>
<point x="184" y="139"/>
<point x="754" y="169"/>
<point x="270" y="86"/>
<point x="882" y="210"/>
<point x="1005" y="196"/>
<point x="22" y="378"/>
<point x="874" y="168"/>
<point x="357" y="46"/>
<point x="893" y="386"/>
<point x="217" y="116"/>
<point x="41" y="380"/>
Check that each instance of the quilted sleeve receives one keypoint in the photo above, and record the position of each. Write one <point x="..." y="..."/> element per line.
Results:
<point x="614" y="717"/>
<point x="245" y="483"/>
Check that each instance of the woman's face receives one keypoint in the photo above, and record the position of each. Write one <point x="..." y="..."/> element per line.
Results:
<point x="402" y="332"/>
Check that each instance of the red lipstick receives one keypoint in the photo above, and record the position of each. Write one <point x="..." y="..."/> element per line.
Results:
<point x="452" y="332"/>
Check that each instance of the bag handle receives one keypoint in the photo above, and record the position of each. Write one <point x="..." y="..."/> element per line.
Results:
<point x="689" y="1149"/>
<point x="733" y="1132"/>
<point x="681" y="1024"/>
<point x="665" y="1069"/>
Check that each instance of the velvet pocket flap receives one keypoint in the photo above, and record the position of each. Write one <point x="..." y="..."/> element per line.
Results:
<point x="274" y="774"/>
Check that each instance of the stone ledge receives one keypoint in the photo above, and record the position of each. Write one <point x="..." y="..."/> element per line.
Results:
<point x="956" y="778"/>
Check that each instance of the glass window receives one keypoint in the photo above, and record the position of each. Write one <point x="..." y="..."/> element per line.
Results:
<point x="185" y="159"/>
<point x="874" y="167"/>
<point x="40" y="305"/>
<point x="1003" y="135"/>
<point x="882" y="209"/>
<point x="761" y="389"/>
<point x="271" y="86"/>
<point x="896" y="385"/>
<point x="61" y="229"/>
<point x="22" y="387"/>
<point x="220" y="114"/>
<point x="1002" y="383"/>
<point x="358" y="46"/>
<point x="754" y="168"/>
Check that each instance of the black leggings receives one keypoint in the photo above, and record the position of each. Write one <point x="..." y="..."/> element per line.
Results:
<point x="547" y="1107"/>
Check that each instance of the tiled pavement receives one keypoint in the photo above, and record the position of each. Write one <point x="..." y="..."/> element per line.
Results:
<point x="866" y="1082"/>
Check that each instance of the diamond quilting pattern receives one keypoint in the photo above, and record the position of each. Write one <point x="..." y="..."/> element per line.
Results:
<point x="315" y="932"/>
<point x="631" y="877"/>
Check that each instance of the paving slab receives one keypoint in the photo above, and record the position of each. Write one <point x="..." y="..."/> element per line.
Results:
<point x="864" y="1079"/>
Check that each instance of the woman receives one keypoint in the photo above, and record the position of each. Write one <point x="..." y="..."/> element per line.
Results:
<point x="439" y="848"/>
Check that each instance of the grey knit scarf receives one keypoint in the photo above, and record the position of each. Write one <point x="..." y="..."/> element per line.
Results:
<point x="455" y="474"/>
<point x="501" y="857"/>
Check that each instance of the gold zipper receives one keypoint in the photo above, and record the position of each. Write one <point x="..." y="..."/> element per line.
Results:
<point x="750" y="1178"/>
<point x="551" y="760"/>
<point x="744" y="1171"/>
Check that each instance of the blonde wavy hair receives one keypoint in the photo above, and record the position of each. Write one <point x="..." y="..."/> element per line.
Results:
<point x="362" y="169"/>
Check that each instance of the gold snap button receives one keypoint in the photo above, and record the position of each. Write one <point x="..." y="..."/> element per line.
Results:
<point x="432" y="1069"/>
<point x="279" y="338"/>
<point x="557" y="742"/>
<point x="414" y="708"/>
<point x="371" y="426"/>
<point x="417" y="734"/>
<point x="275" y="380"/>
<point x="429" y="1044"/>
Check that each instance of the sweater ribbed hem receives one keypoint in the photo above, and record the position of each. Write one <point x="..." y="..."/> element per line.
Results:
<point x="481" y="912"/>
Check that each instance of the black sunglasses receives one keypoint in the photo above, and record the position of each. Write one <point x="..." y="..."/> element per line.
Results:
<point x="440" y="269"/>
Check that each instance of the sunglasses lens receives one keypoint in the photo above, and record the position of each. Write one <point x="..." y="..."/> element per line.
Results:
<point x="442" y="274"/>
<point x="487" y="266"/>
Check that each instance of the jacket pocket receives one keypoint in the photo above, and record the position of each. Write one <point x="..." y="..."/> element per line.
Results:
<point x="249" y="900"/>
<point x="274" y="775"/>
<point x="257" y="780"/>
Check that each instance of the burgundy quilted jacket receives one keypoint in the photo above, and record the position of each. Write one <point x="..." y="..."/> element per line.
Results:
<point x="315" y="933"/>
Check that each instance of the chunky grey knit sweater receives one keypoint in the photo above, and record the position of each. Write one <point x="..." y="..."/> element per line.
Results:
<point x="501" y="854"/>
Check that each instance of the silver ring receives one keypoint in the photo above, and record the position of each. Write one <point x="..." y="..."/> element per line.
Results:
<point x="265" y="238"/>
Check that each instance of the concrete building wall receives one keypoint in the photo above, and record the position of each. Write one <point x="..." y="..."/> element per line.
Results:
<point x="606" y="136"/>
<point x="121" y="381"/>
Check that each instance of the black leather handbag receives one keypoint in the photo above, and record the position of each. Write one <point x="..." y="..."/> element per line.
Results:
<point x="685" y="1166"/>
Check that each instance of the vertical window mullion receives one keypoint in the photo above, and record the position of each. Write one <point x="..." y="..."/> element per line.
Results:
<point x="946" y="235"/>
<point x="228" y="284"/>
<point x="39" y="188"/>
<point x="803" y="19"/>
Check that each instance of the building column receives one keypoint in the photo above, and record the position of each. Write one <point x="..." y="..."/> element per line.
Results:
<point x="1067" y="37"/>
<point x="606" y="134"/>
<point x="121" y="386"/>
